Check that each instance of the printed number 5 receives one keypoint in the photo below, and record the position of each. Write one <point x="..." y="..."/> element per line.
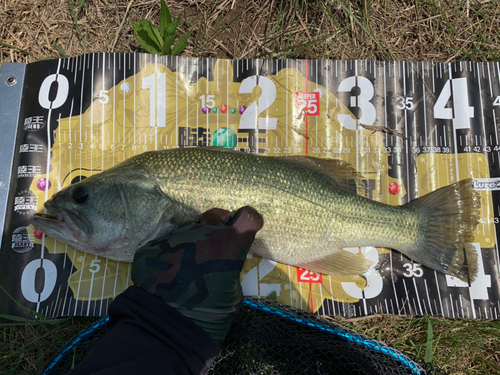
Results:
<point x="104" y="99"/>
<point x="95" y="263"/>
<point x="413" y="270"/>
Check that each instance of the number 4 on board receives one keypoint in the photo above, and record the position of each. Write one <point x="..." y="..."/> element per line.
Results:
<point x="460" y="112"/>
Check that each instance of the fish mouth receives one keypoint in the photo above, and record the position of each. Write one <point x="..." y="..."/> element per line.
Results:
<point x="56" y="217"/>
<point x="65" y="225"/>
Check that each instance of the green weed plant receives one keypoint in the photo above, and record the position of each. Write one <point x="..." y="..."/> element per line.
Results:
<point x="161" y="42"/>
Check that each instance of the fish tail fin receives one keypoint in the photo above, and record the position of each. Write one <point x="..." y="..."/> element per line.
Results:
<point x="449" y="217"/>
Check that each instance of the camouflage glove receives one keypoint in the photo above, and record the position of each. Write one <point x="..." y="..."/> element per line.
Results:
<point x="196" y="269"/>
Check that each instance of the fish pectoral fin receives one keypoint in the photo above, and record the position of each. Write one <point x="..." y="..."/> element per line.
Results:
<point x="342" y="263"/>
<point x="338" y="172"/>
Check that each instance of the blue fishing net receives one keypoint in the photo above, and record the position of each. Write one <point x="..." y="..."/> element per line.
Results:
<point x="273" y="338"/>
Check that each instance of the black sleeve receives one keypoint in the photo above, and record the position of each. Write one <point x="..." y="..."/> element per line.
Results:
<point x="147" y="336"/>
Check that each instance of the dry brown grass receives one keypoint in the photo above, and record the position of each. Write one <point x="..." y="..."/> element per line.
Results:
<point x="438" y="30"/>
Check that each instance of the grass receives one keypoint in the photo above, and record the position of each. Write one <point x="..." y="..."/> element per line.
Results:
<point x="26" y="346"/>
<point x="459" y="347"/>
<point x="464" y="346"/>
<point x="416" y="30"/>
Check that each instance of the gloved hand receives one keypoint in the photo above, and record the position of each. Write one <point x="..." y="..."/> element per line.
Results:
<point x="196" y="268"/>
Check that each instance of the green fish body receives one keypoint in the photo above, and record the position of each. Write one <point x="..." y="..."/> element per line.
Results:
<point x="309" y="213"/>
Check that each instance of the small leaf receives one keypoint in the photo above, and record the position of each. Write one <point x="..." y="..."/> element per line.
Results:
<point x="272" y="297"/>
<point x="165" y="18"/>
<point x="158" y="36"/>
<point x="430" y="339"/>
<point x="172" y="28"/>
<point x="146" y="42"/>
<point x="181" y="44"/>
<point x="167" y="44"/>
<point x="148" y="27"/>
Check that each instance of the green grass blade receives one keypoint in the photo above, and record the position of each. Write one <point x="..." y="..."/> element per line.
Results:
<point x="388" y="54"/>
<point x="30" y="314"/>
<point x="156" y="33"/>
<point x="75" y="22"/>
<point x="61" y="51"/>
<point x="14" y="47"/>
<point x="216" y="32"/>
<point x="13" y="318"/>
<point x="430" y="340"/>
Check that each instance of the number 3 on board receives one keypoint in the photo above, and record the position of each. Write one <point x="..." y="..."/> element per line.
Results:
<point x="374" y="283"/>
<point x="361" y="101"/>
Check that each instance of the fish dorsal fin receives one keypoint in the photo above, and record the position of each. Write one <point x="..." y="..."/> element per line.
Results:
<point x="338" y="172"/>
<point x="341" y="263"/>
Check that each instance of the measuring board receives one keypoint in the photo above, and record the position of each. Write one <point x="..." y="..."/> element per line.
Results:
<point x="78" y="116"/>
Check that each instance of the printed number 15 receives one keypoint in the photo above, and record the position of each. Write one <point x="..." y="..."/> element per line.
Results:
<point x="207" y="101"/>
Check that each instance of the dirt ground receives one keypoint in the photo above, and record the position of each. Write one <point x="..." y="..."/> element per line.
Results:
<point x="435" y="30"/>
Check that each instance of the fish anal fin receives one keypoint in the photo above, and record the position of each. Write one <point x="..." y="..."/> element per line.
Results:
<point x="342" y="263"/>
<point x="338" y="172"/>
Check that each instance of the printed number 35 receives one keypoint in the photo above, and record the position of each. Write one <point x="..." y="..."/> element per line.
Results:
<point x="413" y="270"/>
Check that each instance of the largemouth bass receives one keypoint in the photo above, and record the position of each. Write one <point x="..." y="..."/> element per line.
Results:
<point x="309" y="213"/>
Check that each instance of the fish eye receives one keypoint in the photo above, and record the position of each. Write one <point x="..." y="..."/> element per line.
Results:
<point x="79" y="195"/>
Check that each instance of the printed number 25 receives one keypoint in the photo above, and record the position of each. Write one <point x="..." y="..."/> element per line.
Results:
<point x="308" y="276"/>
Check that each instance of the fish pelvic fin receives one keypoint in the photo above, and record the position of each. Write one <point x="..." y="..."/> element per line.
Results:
<point x="448" y="218"/>
<point x="341" y="263"/>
